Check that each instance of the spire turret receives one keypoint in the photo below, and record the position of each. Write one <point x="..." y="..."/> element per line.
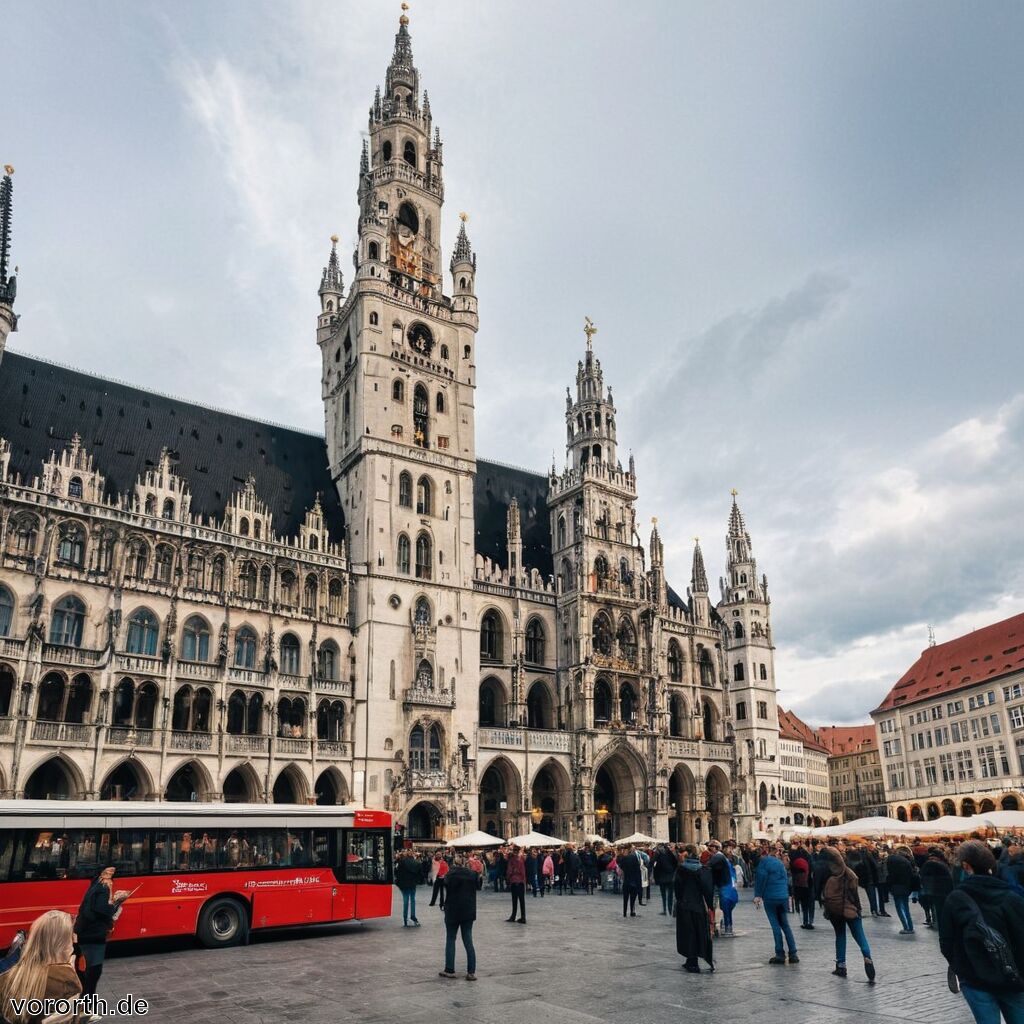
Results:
<point x="699" y="576"/>
<point x="402" y="71"/>
<point x="8" y="281"/>
<point x="736" y="524"/>
<point x="331" y="283"/>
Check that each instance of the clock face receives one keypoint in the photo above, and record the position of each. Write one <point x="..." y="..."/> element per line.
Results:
<point x="421" y="339"/>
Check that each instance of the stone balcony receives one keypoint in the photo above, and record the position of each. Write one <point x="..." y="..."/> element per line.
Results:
<point x="694" y="750"/>
<point x="498" y="738"/>
<point x="427" y="779"/>
<point x="416" y="695"/>
<point x="62" y="732"/>
<point x="247" y="743"/>
<point x="292" y="746"/>
<point x="334" y="749"/>
<point x="73" y="657"/>
<point x="11" y="648"/>
<point x="126" y="736"/>
<point x="191" y="741"/>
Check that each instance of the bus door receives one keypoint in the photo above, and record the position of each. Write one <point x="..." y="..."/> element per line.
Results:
<point x="367" y="869"/>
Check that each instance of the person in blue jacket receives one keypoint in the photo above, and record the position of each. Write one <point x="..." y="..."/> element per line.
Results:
<point x="771" y="890"/>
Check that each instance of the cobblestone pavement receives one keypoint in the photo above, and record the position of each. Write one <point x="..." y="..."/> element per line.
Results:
<point x="576" y="961"/>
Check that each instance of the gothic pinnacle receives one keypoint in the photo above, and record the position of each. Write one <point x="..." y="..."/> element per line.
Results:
<point x="699" y="577"/>
<point x="8" y="284"/>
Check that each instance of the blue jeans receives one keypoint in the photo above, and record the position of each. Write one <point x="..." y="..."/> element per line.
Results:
<point x="903" y="911"/>
<point x="667" y="896"/>
<point x="10" y="960"/>
<point x="727" y="909"/>
<point x="778" y="918"/>
<point x="872" y="892"/>
<point x="987" y="1006"/>
<point x="408" y="905"/>
<point x="467" y="940"/>
<point x="856" y="927"/>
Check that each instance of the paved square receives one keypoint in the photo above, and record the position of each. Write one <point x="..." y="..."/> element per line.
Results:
<point x="577" y="960"/>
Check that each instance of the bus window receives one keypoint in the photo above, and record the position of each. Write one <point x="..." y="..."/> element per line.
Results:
<point x="78" y="853"/>
<point x="186" y="850"/>
<point x="366" y="856"/>
<point x="321" y="849"/>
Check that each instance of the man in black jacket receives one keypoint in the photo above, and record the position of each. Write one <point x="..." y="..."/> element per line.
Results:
<point x="665" y="864"/>
<point x="1003" y="910"/>
<point x="459" y="915"/>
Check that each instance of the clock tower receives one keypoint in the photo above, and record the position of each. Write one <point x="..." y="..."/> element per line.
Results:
<point x="398" y="389"/>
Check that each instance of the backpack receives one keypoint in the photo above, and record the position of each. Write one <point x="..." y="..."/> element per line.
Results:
<point x="988" y="952"/>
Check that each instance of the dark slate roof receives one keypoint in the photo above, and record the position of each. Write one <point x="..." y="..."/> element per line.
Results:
<point x="495" y="487"/>
<point x="43" y="404"/>
<point x="124" y="428"/>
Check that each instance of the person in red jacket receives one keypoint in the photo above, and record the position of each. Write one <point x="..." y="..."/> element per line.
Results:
<point x="516" y="875"/>
<point x="439" y="871"/>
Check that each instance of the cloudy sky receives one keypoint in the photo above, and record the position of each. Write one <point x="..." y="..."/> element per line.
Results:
<point x="798" y="227"/>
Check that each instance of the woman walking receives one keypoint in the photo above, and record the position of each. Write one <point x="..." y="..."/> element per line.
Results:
<point x="99" y="909"/>
<point x="694" y="898"/>
<point x="902" y="882"/>
<point x="841" y="900"/>
<point x="771" y="889"/>
<point x="936" y="884"/>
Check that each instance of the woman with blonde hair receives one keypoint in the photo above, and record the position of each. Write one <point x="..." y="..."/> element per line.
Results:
<point x="45" y="971"/>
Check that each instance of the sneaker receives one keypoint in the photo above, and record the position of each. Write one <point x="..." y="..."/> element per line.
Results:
<point x="869" y="969"/>
<point x="446" y="974"/>
<point x="694" y="969"/>
<point x="415" y="923"/>
<point x="906" y="931"/>
<point x="840" y="971"/>
<point x="470" y="977"/>
<point x="18" y="941"/>
<point x="793" y="958"/>
<point x="777" y="960"/>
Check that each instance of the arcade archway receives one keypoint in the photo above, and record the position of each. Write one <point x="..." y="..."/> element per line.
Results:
<point x="500" y="799"/>
<point x="619" y="796"/>
<point x="551" y="800"/>
<point x="682" y="798"/>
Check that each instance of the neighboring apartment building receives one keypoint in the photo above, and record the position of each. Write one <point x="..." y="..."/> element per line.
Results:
<point x="952" y="728"/>
<point x="805" y="783"/>
<point x="854" y="771"/>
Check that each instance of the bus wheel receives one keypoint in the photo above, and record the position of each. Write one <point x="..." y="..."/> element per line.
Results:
<point x="223" y="923"/>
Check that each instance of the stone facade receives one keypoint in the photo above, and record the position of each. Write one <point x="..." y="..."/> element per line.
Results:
<point x="344" y="618"/>
<point x="854" y="772"/>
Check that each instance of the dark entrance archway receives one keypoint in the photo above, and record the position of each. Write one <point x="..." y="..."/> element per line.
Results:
<point x="618" y="791"/>
<point x="424" y="822"/>
<point x="682" y="798"/>
<point x="125" y="782"/>
<point x="500" y="800"/>
<point x="52" y="780"/>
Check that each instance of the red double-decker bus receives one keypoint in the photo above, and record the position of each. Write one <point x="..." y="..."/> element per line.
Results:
<point x="216" y="871"/>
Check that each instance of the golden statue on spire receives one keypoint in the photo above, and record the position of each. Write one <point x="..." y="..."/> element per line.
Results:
<point x="404" y="19"/>
<point x="734" y="492"/>
<point x="589" y="330"/>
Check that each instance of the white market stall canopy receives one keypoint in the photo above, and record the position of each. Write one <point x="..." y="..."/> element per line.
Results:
<point x="594" y="838"/>
<point x="475" y="840"/>
<point x="948" y="825"/>
<point x="636" y="839"/>
<point x="536" y="839"/>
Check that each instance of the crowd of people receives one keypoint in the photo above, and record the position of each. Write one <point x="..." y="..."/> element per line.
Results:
<point x="971" y="893"/>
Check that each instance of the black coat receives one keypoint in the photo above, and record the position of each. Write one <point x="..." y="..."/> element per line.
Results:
<point x="631" y="873"/>
<point x="936" y="878"/>
<point x="694" y="892"/>
<point x="460" y="901"/>
<point x="408" y="873"/>
<point x="95" y="914"/>
<point x="1002" y="909"/>
<point x="664" y="866"/>
<point x="902" y="875"/>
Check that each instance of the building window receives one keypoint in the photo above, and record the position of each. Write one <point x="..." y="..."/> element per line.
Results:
<point x="602" y="702"/>
<point x="490" y="638"/>
<point x="762" y="710"/>
<point x="398" y="391"/>
<point x="75" y="487"/>
<point x="535" y="642"/>
<point x="163" y="567"/>
<point x="737" y="672"/>
<point x="423" y="497"/>
<point x="439" y="402"/>
<point x="327" y="661"/>
<point x="247" y="581"/>
<point x="6" y="611"/>
<point x="421" y="417"/>
<point x="290" y="654"/>
<point x="764" y="671"/>
<point x="424" y="558"/>
<point x="675" y="662"/>
<point x="245" y="648"/>
<point x="405" y="490"/>
<point x="143" y="633"/>
<point x="417" y="753"/>
<point x="195" y="640"/>
<point x="68" y="622"/>
<point x="71" y="548"/>
<point x="403" y="554"/>
<point x="741" y="711"/>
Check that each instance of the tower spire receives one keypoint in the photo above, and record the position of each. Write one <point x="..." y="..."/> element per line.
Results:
<point x="8" y="282"/>
<point x="737" y="528"/>
<point x="331" y="279"/>
<point x="699" y="576"/>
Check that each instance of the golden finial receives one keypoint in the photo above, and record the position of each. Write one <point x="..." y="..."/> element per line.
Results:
<point x="696" y="540"/>
<point x="589" y="330"/>
<point x="463" y="216"/>
<point x="334" y="239"/>
<point x="8" y="169"/>
<point x="654" y="520"/>
<point x="404" y="19"/>
<point x="734" y="492"/>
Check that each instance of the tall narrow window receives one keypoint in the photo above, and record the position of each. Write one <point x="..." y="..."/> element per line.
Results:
<point x="417" y="758"/>
<point x="68" y="622"/>
<point x="405" y="490"/>
<point x="490" y="637"/>
<point x="143" y="632"/>
<point x="71" y="549"/>
<point x="290" y="654"/>
<point x="195" y="640"/>
<point x="421" y="417"/>
<point x="439" y="402"/>
<point x="424" y="558"/>
<point x="6" y="611"/>
<point x="245" y="648"/>
<point x="398" y="391"/>
<point x="535" y="642"/>
<point x="675" y="662"/>
<point x="423" y="502"/>
<point x="403" y="554"/>
<point x="435" y="747"/>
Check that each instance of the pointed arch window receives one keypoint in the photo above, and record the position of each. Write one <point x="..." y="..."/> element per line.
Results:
<point x="138" y="559"/>
<point x="405" y="490"/>
<point x="195" y="640"/>
<point x="421" y="616"/>
<point x="424" y="558"/>
<point x="434" y="748"/>
<point x="68" y="622"/>
<point x="675" y="662"/>
<point x="602" y="701"/>
<point x="310" y="594"/>
<point x="290" y="651"/>
<point x="676" y="716"/>
<point x="439" y="402"/>
<point x="288" y="589"/>
<point x="561" y="531"/>
<point x="168" y="509"/>
<point x="627" y="703"/>
<point x="143" y="633"/>
<point x="421" y="417"/>
<point x="124" y="701"/>
<point x="764" y="671"/>
<point x="404" y="558"/>
<point x="417" y="749"/>
<point x="330" y="720"/>
<point x="423" y="497"/>
<point x="236" y="713"/>
<point x="163" y="567"/>
<point x="254" y="715"/>
<point x="602" y="635"/>
<point x="6" y="611"/>
<point x="535" y="642"/>
<point x="491" y="637"/>
<point x="737" y="672"/>
<point x="327" y="661"/>
<point x="627" y="641"/>
<point x="145" y="706"/>
<point x="75" y="487"/>
<point x="409" y="154"/>
<point x="196" y="571"/>
<point x="737" y="630"/>
<point x="71" y="547"/>
<point x="24" y="532"/>
<point x="245" y="648"/>
<point x="425" y="675"/>
<point x="707" y="671"/>
<point x="217" y="575"/>
<point x="334" y="598"/>
<point x="247" y="580"/>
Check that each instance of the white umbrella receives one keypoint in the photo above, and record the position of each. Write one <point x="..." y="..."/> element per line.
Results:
<point x="535" y="839"/>
<point x="594" y="838"/>
<point x="636" y="839"/>
<point x="870" y="828"/>
<point x="952" y="825"/>
<point x="475" y="840"/>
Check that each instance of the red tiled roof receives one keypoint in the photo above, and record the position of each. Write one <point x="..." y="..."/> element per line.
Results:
<point x="847" y="739"/>
<point x="793" y="728"/>
<point x="978" y="657"/>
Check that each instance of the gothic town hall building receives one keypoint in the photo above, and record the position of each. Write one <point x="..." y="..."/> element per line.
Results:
<point x="198" y="605"/>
